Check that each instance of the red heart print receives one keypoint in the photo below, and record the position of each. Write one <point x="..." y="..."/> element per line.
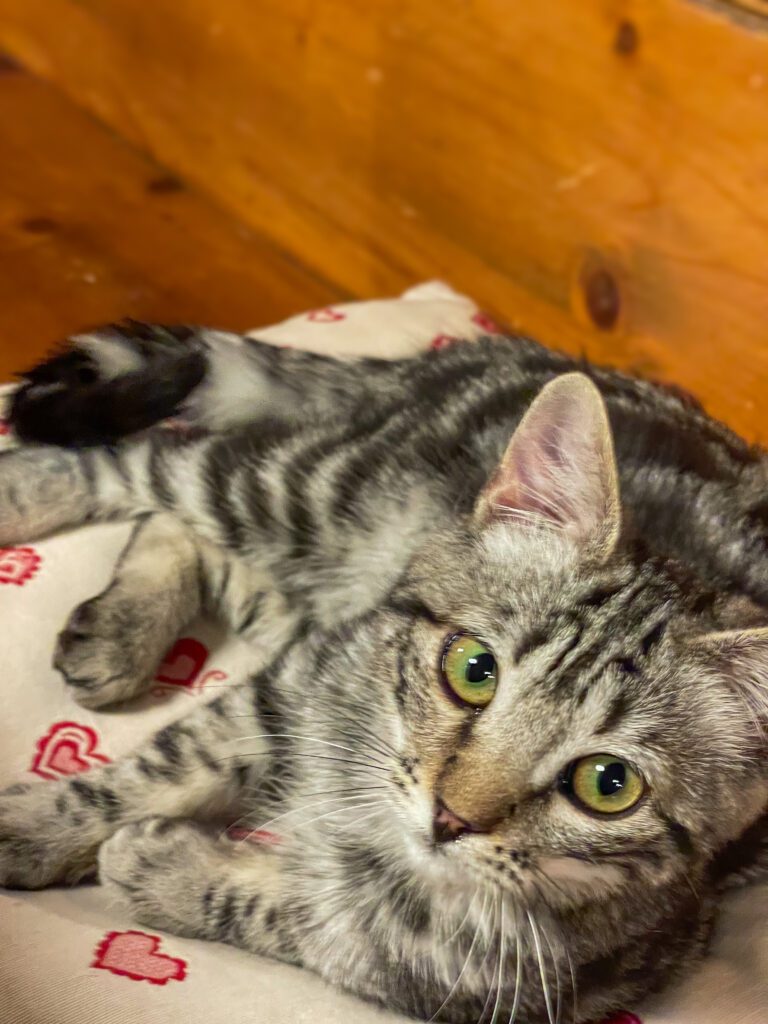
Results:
<point x="487" y="323"/>
<point x="135" y="955"/>
<point x="17" y="565"/>
<point x="442" y="341"/>
<point x="181" y="665"/>
<point x="623" y="1018"/>
<point x="5" y="427"/>
<point x="326" y="316"/>
<point x="66" y="749"/>
<point x="215" y="675"/>
<point x="212" y="677"/>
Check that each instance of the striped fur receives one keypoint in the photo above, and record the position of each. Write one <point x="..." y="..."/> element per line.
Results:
<point x="347" y="518"/>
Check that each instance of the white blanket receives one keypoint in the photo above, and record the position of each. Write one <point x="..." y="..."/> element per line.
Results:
<point x="65" y="956"/>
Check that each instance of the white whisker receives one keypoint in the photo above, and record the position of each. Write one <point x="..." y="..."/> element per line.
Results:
<point x="542" y="966"/>
<point x="502" y="951"/>
<point x="464" y="919"/>
<point x="298" y="810"/>
<point x="293" y="736"/>
<point x="478" y="930"/>
<point x="518" y="972"/>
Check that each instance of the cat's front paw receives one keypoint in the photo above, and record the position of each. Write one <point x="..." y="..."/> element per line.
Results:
<point x="108" y="650"/>
<point x="37" y="845"/>
<point x="158" y="869"/>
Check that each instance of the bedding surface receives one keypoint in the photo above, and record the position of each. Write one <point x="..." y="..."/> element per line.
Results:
<point x="66" y="957"/>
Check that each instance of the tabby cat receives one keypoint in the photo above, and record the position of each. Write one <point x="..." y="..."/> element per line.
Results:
<point x="508" y="703"/>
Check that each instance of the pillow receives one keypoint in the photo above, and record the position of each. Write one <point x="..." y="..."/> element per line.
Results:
<point x="68" y="958"/>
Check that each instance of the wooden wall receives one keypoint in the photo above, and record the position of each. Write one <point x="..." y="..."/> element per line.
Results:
<point x="594" y="172"/>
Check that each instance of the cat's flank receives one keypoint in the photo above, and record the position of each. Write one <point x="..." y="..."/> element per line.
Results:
<point x="511" y="728"/>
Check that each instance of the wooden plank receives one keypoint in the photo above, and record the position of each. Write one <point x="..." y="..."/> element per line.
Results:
<point x="91" y="231"/>
<point x="759" y="7"/>
<point x="595" y="173"/>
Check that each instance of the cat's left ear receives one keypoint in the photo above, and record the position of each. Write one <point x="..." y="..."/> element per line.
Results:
<point x="559" y="469"/>
<point x="741" y="657"/>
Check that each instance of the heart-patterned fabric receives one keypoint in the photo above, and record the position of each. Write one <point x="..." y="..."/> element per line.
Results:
<point x="67" y="957"/>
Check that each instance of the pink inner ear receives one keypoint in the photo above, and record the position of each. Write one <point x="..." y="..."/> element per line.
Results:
<point x="558" y="468"/>
<point x="529" y="483"/>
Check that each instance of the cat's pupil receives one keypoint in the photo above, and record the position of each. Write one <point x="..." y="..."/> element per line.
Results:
<point x="611" y="778"/>
<point x="480" y="668"/>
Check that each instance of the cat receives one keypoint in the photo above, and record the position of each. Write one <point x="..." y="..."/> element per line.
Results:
<point x="506" y="721"/>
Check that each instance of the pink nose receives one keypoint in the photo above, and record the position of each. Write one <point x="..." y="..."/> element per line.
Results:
<point x="447" y="826"/>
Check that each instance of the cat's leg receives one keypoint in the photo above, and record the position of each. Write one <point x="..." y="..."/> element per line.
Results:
<point x="120" y="379"/>
<point x="44" y="489"/>
<point x="112" y="644"/>
<point x="47" y="489"/>
<point x="179" y="876"/>
<point x="51" y="831"/>
<point x="204" y="555"/>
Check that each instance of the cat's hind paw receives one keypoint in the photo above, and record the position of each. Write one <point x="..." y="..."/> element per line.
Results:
<point x="38" y="846"/>
<point x="158" y="870"/>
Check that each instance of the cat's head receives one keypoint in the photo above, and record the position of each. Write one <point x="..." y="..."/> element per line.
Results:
<point x="573" y="716"/>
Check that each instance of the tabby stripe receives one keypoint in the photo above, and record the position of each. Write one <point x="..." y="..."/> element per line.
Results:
<point x="158" y="771"/>
<point x="413" y="608"/>
<point x="653" y="638"/>
<point x="616" y="711"/>
<point x="593" y="656"/>
<point x="253" y="448"/>
<point x="404" y="644"/>
<point x="205" y="758"/>
<point x="106" y="800"/>
<point x="679" y="834"/>
<point x="226" y="923"/>
<point x="256" y="498"/>
<point x="218" y="472"/>
<point x="562" y="661"/>
<point x="369" y="423"/>
<point x="250" y="906"/>
<point x="88" y="468"/>
<point x="207" y="901"/>
<point x="299" y="515"/>
<point x="114" y="457"/>
<point x="136" y="529"/>
<point x="434" y="388"/>
<point x="160" y="477"/>
<point x="166" y="743"/>
<point x="251" y="614"/>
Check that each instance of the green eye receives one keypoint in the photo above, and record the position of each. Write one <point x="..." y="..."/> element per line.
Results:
<point x="603" y="783"/>
<point x="469" y="670"/>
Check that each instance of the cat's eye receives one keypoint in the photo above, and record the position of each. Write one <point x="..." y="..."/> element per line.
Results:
<point x="603" y="784"/>
<point x="469" y="670"/>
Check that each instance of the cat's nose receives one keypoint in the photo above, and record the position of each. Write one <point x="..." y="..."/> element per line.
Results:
<point x="447" y="826"/>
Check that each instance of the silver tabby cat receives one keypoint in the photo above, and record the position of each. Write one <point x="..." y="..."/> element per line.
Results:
<point x="508" y="705"/>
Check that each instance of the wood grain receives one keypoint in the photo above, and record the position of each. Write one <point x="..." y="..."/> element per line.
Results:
<point x="759" y="7"/>
<point x="595" y="173"/>
<point x="91" y="231"/>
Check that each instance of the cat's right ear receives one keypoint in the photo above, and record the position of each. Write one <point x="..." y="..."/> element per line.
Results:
<point x="741" y="657"/>
<point x="559" y="469"/>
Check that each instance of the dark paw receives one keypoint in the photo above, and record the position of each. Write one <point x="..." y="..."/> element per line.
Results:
<point x="108" y="384"/>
